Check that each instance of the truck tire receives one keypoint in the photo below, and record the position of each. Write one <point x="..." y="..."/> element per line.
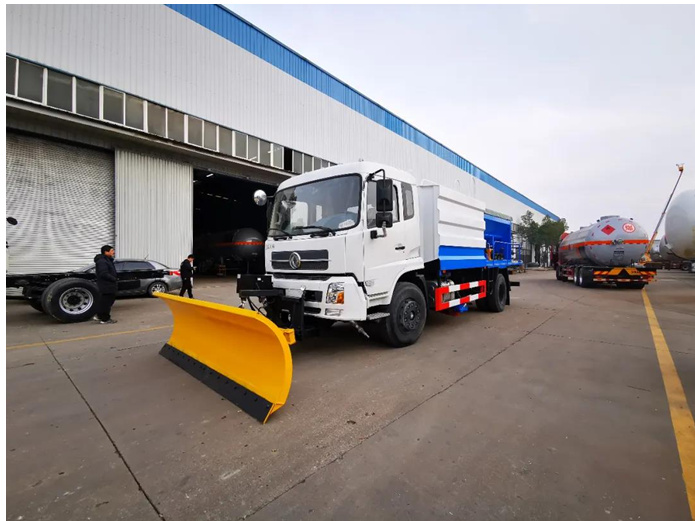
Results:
<point x="636" y="285"/>
<point x="558" y="275"/>
<point x="482" y="304"/>
<point x="36" y="304"/>
<point x="586" y="277"/>
<point x="408" y="313"/>
<point x="498" y="298"/>
<point x="71" y="300"/>
<point x="575" y="278"/>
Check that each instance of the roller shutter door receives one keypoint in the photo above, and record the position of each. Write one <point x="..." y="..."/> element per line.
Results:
<point x="154" y="208"/>
<point x="63" y="198"/>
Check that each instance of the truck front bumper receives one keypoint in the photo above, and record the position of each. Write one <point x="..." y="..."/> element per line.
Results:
<point x="354" y="306"/>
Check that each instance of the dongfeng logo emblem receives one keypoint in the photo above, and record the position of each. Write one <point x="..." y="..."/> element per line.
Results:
<point x="295" y="261"/>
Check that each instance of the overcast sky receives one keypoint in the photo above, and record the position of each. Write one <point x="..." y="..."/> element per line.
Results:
<point x="586" y="110"/>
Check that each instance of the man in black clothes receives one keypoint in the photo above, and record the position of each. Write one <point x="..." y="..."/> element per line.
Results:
<point x="107" y="281"/>
<point x="187" y="276"/>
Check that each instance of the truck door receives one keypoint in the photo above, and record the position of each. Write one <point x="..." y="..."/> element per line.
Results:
<point x="411" y="222"/>
<point x="383" y="256"/>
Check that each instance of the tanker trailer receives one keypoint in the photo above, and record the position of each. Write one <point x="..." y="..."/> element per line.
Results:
<point x="606" y="252"/>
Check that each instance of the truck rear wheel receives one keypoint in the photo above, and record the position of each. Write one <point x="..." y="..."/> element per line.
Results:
<point x="586" y="277"/>
<point x="71" y="300"/>
<point x="498" y="297"/>
<point x="408" y="313"/>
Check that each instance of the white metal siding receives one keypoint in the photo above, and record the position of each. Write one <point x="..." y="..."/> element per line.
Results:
<point x="154" y="208"/>
<point x="154" y="52"/>
<point x="63" y="198"/>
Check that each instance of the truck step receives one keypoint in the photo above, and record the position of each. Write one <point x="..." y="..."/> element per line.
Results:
<point x="378" y="316"/>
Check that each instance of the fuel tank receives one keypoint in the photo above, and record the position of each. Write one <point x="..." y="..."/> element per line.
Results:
<point x="610" y="241"/>
<point x="680" y="225"/>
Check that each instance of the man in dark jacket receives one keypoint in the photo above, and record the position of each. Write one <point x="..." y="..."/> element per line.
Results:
<point x="107" y="281"/>
<point x="187" y="276"/>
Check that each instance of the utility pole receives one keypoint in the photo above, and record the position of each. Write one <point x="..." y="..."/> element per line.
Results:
<point x="647" y="257"/>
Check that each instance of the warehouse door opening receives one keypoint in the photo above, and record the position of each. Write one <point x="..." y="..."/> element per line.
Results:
<point x="225" y="218"/>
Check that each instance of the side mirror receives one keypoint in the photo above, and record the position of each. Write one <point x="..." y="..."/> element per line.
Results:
<point x="12" y="221"/>
<point x="384" y="195"/>
<point x="384" y="220"/>
<point x="260" y="197"/>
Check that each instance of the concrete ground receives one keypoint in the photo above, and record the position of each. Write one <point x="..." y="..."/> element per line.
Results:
<point x="553" y="410"/>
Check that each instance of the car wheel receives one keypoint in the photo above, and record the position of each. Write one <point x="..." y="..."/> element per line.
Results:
<point x="71" y="300"/>
<point x="157" y="287"/>
<point x="408" y="313"/>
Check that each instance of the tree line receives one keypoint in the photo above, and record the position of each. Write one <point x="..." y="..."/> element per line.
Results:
<point x="547" y="233"/>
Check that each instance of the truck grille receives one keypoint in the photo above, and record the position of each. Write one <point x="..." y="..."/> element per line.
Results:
<point x="300" y="260"/>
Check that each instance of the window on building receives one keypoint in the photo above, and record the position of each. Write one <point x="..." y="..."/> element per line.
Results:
<point x="195" y="131"/>
<point x="30" y="82"/>
<point x="156" y="120"/>
<point x="324" y="163"/>
<point x="10" y="74"/>
<point x="87" y="98"/>
<point x="278" y="155"/>
<point x="175" y="125"/>
<point x="287" y="159"/>
<point x="113" y="106"/>
<point x="226" y="141"/>
<point x="59" y="93"/>
<point x="134" y="112"/>
<point x="253" y="149"/>
<point x="308" y="163"/>
<point x="264" y="152"/>
<point x="297" y="162"/>
<point x="408" y="202"/>
<point x="241" y="145"/>
<point x="210" y="135"/>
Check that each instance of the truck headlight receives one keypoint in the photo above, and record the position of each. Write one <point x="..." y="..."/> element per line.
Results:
<point x="335" y="293"/>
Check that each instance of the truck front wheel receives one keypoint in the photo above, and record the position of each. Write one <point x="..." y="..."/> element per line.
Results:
<point x="71" y="300"/>
<point x="407" y="316"/>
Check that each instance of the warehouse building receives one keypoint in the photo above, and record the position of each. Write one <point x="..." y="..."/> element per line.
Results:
<point x="150" y="126"/>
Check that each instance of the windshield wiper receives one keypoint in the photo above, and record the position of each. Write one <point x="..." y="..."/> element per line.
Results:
<point x="287" y="234"/>
<point x="326" y="229"/>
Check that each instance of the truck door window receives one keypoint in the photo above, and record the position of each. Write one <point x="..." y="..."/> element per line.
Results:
<point x="408" y="202"/>
<point x="371" y="205"/>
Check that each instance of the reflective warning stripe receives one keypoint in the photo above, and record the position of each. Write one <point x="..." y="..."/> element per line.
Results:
<point x="439" y="293"/>
<point x="601" y="243"/>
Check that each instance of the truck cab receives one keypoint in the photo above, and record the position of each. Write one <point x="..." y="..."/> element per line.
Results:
<point x="324" y="239"/>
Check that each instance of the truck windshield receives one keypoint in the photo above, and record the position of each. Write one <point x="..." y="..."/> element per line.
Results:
<point x="323" y="206"/>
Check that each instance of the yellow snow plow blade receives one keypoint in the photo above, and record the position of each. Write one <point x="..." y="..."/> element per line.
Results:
<point x="238" y="353"/>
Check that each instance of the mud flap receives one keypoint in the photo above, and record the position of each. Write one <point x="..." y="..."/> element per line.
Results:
<point x="238" y="353"/>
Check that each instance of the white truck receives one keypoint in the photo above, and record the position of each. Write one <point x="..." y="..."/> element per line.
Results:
<point x="368" y="244"/>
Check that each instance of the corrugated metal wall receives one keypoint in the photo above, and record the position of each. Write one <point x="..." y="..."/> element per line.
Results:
<point x="62" y="196"/>
<point x="154" y="208"/>
<point x="154" y="52"/>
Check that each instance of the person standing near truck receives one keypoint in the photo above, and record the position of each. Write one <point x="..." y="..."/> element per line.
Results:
<point x="187" y="276"/>
<point x="107" y="282"/>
